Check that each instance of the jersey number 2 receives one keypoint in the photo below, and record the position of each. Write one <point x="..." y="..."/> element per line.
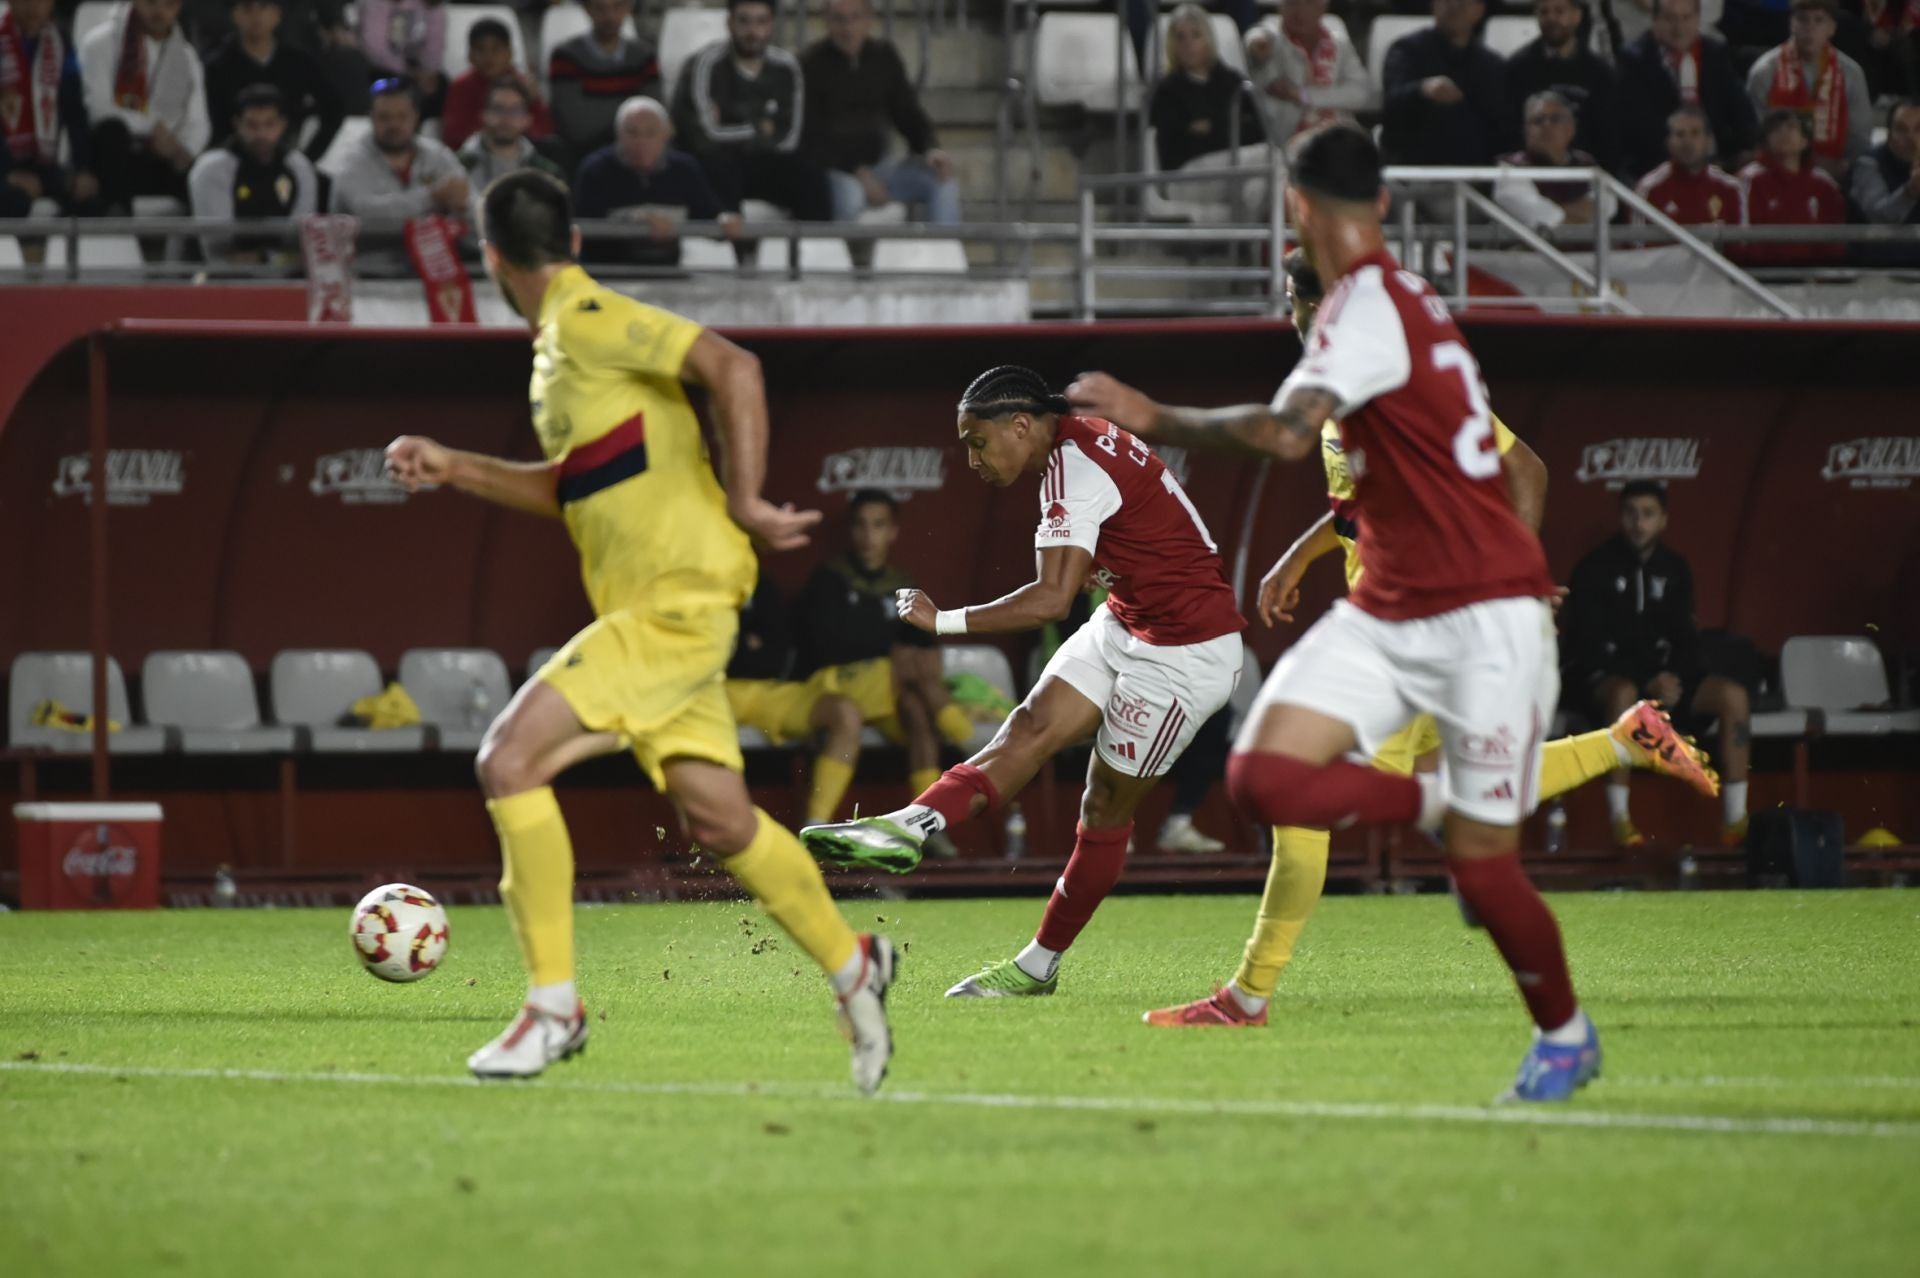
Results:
<point x="1473" y="443"/>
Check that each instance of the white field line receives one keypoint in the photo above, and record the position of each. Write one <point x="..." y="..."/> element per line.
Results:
<point x="1763" y="1082"/>
<point x="1513" y="1116"/>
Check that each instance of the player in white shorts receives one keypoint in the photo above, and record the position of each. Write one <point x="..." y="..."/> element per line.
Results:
<point x="1139" y="677"/>
<point x="1450" y="615"/>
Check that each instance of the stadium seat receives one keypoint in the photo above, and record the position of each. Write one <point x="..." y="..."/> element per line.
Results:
<point x="559" y="24"/>
<point x="989" y="663"/>
<point x="458" y="690"/>
<point x="98" y="252"/>
<point x="67" y="677"/>
<point x="10" y="256"/>
<point x="1073" y="62"/>
<point x="1225" y="34"/>
<point x="95" y="13"/>
<point x="207" y="700"/>
<point x="684" y="31"/>
<point x="1507" y="35"/>
<point x="353" y="130"/>
<point x="926" y="257"/>
<point x="1843" y="677"/>
<point x="314" y="687"/>
<point x="1387" y="28"/>
<point x="1167" y="203"/>
<point x="816" y="255"/>
<point x="453" y="57"/>
<point x="540" y="657"/>
<point x="697" y="253"/>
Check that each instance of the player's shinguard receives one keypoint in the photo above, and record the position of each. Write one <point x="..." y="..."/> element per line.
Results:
<point x="667" y="564"/>
<point x="1140" y="677"/>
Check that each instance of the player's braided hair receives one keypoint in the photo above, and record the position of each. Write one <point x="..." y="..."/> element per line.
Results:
<point x="1010" y="388"/>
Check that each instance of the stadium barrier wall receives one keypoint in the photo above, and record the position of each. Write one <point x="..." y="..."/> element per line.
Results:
<point x="247" y="509"/>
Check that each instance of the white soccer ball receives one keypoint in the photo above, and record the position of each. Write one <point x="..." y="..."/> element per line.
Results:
<point x="399" y="932"/>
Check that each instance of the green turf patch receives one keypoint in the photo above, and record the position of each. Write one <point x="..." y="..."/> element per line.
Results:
<point x="1760" y="1111"/>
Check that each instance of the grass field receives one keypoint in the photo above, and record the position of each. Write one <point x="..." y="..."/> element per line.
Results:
<point x="224" y="1092"/>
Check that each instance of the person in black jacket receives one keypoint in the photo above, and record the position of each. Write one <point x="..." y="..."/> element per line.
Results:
<point x="1561" y="62"/>
<point x="641" y="178"/>
<point x="1672" y="64"/>
<point x="1446" y="93"/>
<point x="1195" y="101"/>
<point x="740" y="109"/>
<point x="1631" y="632"/>
<point x="255" y="54"/>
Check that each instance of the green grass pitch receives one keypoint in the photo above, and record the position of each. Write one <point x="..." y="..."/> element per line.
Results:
<point x="161" y="1110"/>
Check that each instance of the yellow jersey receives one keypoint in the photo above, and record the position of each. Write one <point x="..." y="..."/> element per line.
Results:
<point x="1340" y="494"/>
<point x="636" y="487"/>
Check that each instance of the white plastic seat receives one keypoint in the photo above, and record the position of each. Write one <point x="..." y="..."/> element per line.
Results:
<point x="460" y="18"/>
<point x="98" y="252"/>
<point x="698" y="253"/>
<point x="353" y="131"/>
<point x="1387" y="28"/>
<point x="990" y="664"/>
<point x="540" y="657"/>
<point x="816" y="255"/>
<point x="208" y="700"/>
<point x="1508" y="34"/>
<point x="314" y="687"/>
<point x="1074" y="62"/>
<point x="926" y="257"/>
<point x="1779" y="723"/>
<point x="558" y="24"/>
<point x="684" y="31"/>
<point x="458" y="690"/>
<point x="10" y="255"/>
<point x="95" y="13"/>
<point x="67" y="677"/>
<point x="1840" y="675"/>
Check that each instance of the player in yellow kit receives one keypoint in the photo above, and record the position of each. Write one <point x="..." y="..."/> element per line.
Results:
<point x="667" y="562"/>
<point x="1641" y="738"/>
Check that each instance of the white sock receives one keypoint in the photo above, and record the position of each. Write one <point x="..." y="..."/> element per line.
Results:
<point x="1733" y="801"/>
<point x="1572" y="1034"/>
<point x="1246" y="1002"/>
<point x="1038" y="961"/>
<point x="1620" y="751"/>
<point x="918" y="818"/>
<point x="1617" y="796"/>
<point x="557" y="999"/>
<point x="847" y="978"/>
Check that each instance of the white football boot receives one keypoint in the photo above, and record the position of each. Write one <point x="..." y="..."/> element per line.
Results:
<point x="863" y="1013"/>
<point x="535" y="1040"/>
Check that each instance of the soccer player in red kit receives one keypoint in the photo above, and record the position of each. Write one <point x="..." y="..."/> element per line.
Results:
<point x="1140" y="676"/>
<point x="1450" y="616"/>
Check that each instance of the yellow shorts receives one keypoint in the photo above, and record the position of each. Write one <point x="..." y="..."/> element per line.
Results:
<point x="657" y="680"/>
<point x="783" y="709"/>
<point x="1401" y="750"/>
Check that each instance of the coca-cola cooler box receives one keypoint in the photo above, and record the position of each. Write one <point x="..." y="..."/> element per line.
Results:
<point x="89" y="856"/>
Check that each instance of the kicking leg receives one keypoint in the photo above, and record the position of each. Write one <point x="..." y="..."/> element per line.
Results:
<point x="1643" y="737"/>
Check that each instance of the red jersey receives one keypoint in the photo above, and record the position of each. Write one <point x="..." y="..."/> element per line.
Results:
<point x="1708" y="198"/>
<point x="1440" y="532"/>
<point x="1783" y="197"/>
<point x="1106" y="493"/>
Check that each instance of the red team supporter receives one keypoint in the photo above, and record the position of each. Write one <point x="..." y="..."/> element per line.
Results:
<point x="1449" y="618"/>
<point x="1689" y="187"/>
<point x="1785" y="188"/>
<point x="1140" y="677"/>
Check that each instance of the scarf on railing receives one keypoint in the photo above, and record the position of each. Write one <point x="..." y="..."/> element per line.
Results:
<point x="431" y="246"/>
<point x="30" y="94"/>
<point x="326" y="241"/>
<point x="1685" y="69"/>
<point x="1323" y="58"/>
<point x="131" y="86"/>
<point x="1822" y="96"/>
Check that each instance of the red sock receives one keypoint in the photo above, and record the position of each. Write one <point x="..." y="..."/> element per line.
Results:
<point x="1281" y="790"/>
<point x="1098" y="856"/>
<point x="953" y="794"/>
<point x="1524" y="929"/>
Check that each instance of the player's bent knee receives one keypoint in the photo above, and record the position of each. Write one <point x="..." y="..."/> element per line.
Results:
<point x="841" y="715"/>
<point x="1275" y="789"/>
<point x="722" y="832"/>
<point x="503" y="769"/>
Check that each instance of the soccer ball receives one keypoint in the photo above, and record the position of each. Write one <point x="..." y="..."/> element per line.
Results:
<point x="399" y="932"/>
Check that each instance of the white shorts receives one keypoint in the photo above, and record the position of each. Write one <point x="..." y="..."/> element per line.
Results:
<point x="1153" y="698"/>
<point x="1488" y="674"/>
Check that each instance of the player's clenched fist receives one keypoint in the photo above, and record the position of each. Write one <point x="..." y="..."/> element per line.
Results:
<point x="916" y="609"/>
<point x="1104" y="396"/>
<point x="776" y="527"/>
<point x="415" y="462"/>
<point x="1280" y="592"/>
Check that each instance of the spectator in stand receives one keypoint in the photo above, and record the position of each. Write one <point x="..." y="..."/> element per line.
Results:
<point x="394" y="173"/>
<point x="257" y="174"/>
<point x="1807" y="74"/>
<point x="1631" y="633"/>
<point x="1544" y="205"/>
<point x="1886" y="180"/>
<point x="1784" y="187"/>
<point x="490" y="60"/>
<point x="1446" y="93"/>
<point x="147" y="98"/>
<point x="1893" y="42"/>
<point x="1672" y="66"/>
<point x="1562" y="61"/>
<point x="255" y="54"/>
<point x="593" y="73"/>
<point x="501" y="146"/>
<point x="44" y="105"/>
<point x="1195" y="101"/>
<point x="1306" y="72"/>
<point x="857" y="87"/>
<point x="1689" y="187"/>
<point x="641" y="178"/>
<point x="1634" y="19"/>
<point x="738" y="109"/>
<point x="407" y="40"/>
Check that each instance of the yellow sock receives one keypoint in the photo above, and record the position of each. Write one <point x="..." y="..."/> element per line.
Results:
<point x="954" y="724"/>
<point x="536" y="880"/>
<point x="830" y="781"/>
<point x="780" y="875"/>
<point x="921" y="778"/>
<point x="1571" y="762"/>
<point x="1294" y="883"/>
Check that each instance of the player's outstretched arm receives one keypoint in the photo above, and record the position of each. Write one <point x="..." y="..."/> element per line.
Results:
<point x="415" y="462"/>
<point x="1063" y="572"/>
<point x="1289" y="432"/>
<point x="738" y="395"/>
<point x="1280" y="588"/>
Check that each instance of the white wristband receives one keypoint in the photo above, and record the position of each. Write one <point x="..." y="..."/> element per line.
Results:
<point x="950" y="621"/>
